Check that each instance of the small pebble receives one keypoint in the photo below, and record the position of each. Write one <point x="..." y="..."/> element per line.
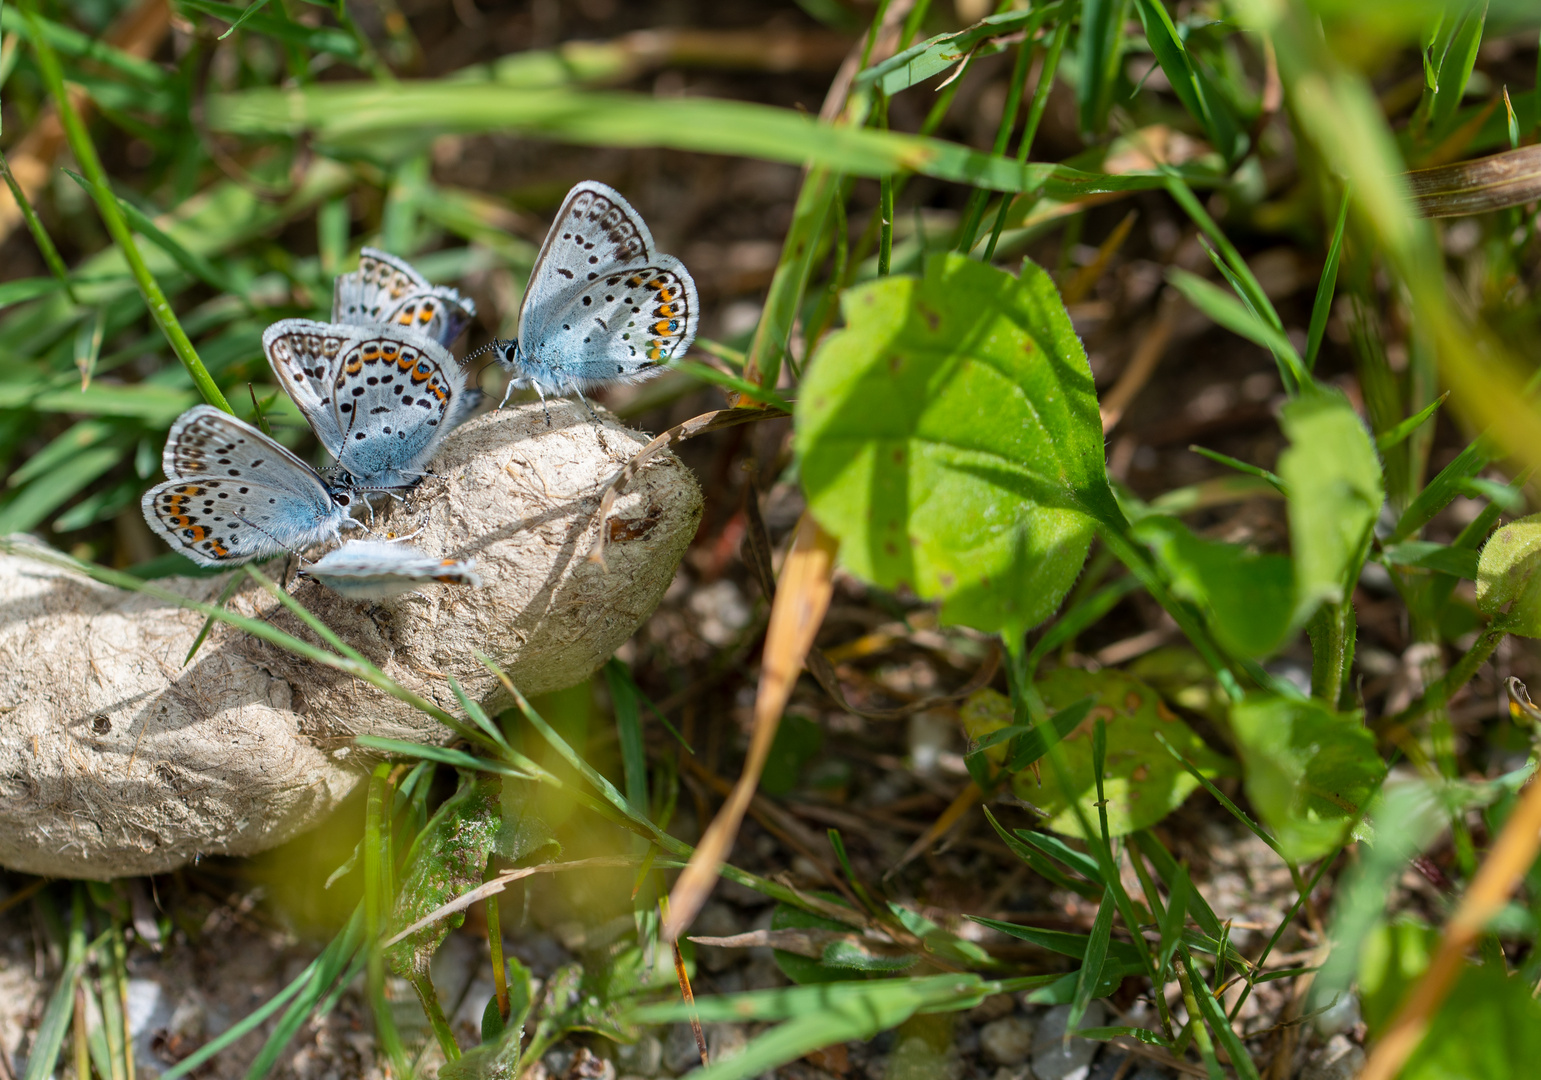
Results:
<point x="641" y="1058"/>
<point x="1053" y="1059"/>
<point x="1007" y="1041"/>
<point x="992" y="1008"/>
<point x="1340" y="1059"/>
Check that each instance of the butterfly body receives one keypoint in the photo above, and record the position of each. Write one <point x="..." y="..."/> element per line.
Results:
<point x="385" y="290"/>
<point x="602" y="305"/>
<point x="233" y="494"/>
<point x="380" y="398"/>
<point x="377" y="570"/>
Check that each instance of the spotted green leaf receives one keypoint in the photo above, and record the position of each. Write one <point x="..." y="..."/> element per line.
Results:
<point x="1142" y="781"/>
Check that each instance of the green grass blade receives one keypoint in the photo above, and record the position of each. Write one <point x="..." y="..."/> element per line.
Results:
<point x="1056" y="848"/>
<point x="753" y="391"/>
<point x="1188" y="82"/>
<point x="310" y="984"/>
<point x="359" y="114"/>
<point x="55" y="1024"/>
<point x="479" y="716"/>
<point x="1230" y="313"/>
<point x="1096" y="953"/>
<point x="1394" y="436"/>
<point x="208" y="624"/>
<point x="1458" y="59"/>
<point x="1242" y="467"/>
<point x="1445" y="486"/>
<point x="39" y="499"/>
<point x="933" y="56"/>
<point x="322" y="39"/>
<point x="628" y="727"/>
<point x="251" y="9"/>
<point x="790" y="281"/>
<point x="1220" y="1024"/>
<point x="458" y="759"/>
<point x="194" y="265"/>
<point x="1170" y="871"/>
<point x="45" y="244"/>
<point x="1101" y="55"/>
<point x="1173" y="918"/>
<point x="1042" y="866"/>
<point x="107" y="203"/>
<point x="1325" y="289"/>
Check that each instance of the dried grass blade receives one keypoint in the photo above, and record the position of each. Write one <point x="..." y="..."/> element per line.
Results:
<point x="802" y="597"/>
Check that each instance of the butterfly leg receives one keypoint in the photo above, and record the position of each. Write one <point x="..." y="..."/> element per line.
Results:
<point x="594" y="416"/>
<point x="543" y="403"/>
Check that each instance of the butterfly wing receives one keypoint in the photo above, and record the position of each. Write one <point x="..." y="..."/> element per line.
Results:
<point x="621" y="327"/>
<point x="602" y="304"/>
<point x="234" y="495"/>
<point x="395" y="394"/>
<point x="303" y="355"/>
<point x="388" y="290"/>
<point x="371" y="570"/>
<point x="595" y="232"/>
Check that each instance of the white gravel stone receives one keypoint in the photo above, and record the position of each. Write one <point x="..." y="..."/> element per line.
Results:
<point x="1007" y="1041"/>
<point x="1053" y="1059"/>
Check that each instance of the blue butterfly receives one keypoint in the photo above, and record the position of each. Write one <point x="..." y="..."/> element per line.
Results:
<point x="380" y="398"/>
<point x="387" y="290"/>
<point x="602" y="305"/>
<point x="375" y="570"/>
<point x="232" y="494"/>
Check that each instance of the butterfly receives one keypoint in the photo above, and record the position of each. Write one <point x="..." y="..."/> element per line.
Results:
<point x="375" y="570"/>
<point x="387" y="290"/>
<point x="602" y="304"/>
<point x="380" y="398"/>
<point x="232" y="494"/>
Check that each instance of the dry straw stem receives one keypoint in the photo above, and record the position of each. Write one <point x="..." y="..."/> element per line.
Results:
<point x="802" y="597"/>
<point x="1501" y="871"/>
<point x="115" y="760"/>
<point x="1497" y="182"/>
<point x="139" y="32"/>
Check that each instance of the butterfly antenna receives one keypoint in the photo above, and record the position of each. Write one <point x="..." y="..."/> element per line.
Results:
<point x="493" y="344"/>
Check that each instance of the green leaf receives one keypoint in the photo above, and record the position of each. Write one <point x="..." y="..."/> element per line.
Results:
<point x="1506" y="575"/>
<point x="949" y="436"/>
<point x="1334" y="480"/>
<point x="1309" y="771"/>
<point x="1142" y="781"/>
<point x="1489" y="1026"/>
<point x="447" y="860"/>
<point x="1248" y="597"/>
<point x="1393" y="955"/>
